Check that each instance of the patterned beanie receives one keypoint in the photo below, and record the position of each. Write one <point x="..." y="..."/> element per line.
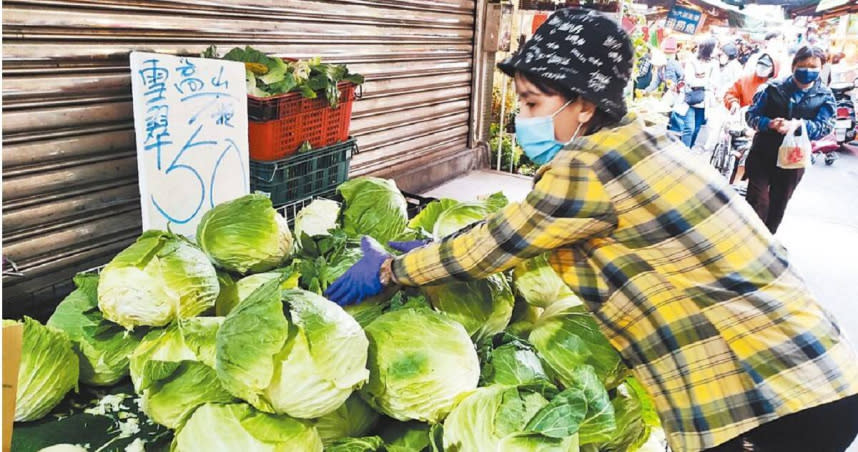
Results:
<point x="582" y="50"/>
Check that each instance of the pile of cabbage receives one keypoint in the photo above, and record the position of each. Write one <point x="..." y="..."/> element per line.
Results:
<point x="229" y="342"/>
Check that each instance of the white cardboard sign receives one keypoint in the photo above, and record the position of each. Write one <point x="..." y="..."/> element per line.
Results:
<point x="190" y="118"/>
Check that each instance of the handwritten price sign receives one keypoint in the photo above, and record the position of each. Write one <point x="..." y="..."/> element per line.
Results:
<point x="190" y="118"/>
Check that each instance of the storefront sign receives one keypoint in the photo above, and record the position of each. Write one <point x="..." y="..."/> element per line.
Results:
<point x="684" y="20"/>
<point x="190" y="117"/>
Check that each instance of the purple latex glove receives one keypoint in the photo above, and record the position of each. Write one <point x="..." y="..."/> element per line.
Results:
<point x="405" y="247"/>
<point x="362" y="279"/>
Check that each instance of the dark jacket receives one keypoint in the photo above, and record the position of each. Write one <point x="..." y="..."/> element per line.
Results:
<point x="777" y="100"/>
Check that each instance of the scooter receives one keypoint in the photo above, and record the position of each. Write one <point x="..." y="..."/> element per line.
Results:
<point x="825" y="147"/>
<point x="844" y="118"/>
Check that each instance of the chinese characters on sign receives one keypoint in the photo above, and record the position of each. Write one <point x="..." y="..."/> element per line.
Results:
<point x="684" y="20"/>
<point x="190" y="117"/>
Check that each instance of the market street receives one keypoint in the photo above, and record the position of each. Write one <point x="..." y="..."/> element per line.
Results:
<point x="820" y="230"/>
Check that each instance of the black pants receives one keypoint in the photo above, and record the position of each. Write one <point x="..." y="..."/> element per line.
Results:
<point x="770" y="191"/>
<point x="826" y="428"/>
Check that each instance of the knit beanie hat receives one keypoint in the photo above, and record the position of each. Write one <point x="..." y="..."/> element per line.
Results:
<point x="582" y="50"/>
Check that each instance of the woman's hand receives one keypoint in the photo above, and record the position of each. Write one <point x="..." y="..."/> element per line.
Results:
<point x="363" y="279"/>
<point x="780" y="125"/>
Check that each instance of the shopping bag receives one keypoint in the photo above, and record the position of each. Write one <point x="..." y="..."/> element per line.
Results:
<point x="795" y="150"/>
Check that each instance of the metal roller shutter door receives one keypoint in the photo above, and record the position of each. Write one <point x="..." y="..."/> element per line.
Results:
<point x="69" y="172"/>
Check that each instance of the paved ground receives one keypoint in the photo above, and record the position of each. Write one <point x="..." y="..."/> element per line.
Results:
<point x="820" y="230"/>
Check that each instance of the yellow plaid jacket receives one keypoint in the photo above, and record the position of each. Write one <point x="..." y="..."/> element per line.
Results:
<point x="681" y="275"/>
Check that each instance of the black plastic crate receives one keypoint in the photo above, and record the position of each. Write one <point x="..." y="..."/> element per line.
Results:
<point x="303" y="176"/>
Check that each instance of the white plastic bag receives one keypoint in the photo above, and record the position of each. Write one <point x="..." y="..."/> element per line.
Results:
<point x="795" y="150"/>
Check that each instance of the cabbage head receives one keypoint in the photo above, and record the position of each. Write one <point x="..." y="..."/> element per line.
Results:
<point x="317" y="218"/>
<point x="445" y="216"/>
<point x="567" y="337"/>
<point x="48" y="370"/>
<point x="537" y="282"/>
<point x="245" y="286"/>
<point x="459" y="216"/>
<point x="102" y="347"/>
<point x="484" y="307"/>
<point x="514" y="363"/>
<point x="510" y="418"/>
<point x="157" y="279"/>
<point x="245" y="235"/>
<point x="228" y="296"/>
<point x="352" y="419"/>
<point x="374" y="207"/>
<point x="421" y="364"/>
<point x="240" y="428"/>
<point x="291" y="352"/>
<point x="173" y="370"/>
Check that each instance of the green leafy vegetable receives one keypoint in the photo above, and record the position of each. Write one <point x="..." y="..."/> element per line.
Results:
<point x="102" y="347"/>
<point x="291" y="352"/>
<point x="245" y="235"/>
<point x="409" y="436"/>
<point x="159" y="278"/>
<point x="513" y="363"/>
<point x="421" y="363"/>
<point x="354" y="418"/>
<point x="317" y="218"/>
<point x="635" y="417"/>
<point x="484" y="307"/>
<point x="567" y="337"/>
<point x="238" y="427"/>
<point x="599" y="423"/>
<point x="539" y="284"/>
<point x="365" y="444"/>
<point x="268" y="76"/>
<point x="374" y="207"/>
<point x="48" y="370"/>
<point x="510" y="418"/>
<point x="173" y="370"/>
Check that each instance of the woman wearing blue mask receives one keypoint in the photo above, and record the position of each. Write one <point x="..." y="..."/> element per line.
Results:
<point x="683" y="279"/>
<point x="801" y="96"/>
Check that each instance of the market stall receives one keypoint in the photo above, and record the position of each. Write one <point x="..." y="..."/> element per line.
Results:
<point x="223" y="342"/>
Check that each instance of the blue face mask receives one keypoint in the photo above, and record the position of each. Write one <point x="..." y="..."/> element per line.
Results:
<point x="536" y="137"/>
<point x="806" y="76"/>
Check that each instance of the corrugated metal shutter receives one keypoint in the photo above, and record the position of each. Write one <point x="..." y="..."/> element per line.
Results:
<point x="69" y="171"/>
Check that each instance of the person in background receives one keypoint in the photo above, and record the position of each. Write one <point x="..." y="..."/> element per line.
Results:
<point x="700" y="75"/>
<point x="775" y="47"/>
<point x="681" y="277"/>
<point x="645" y="72"/>
<point x="746" y="51"/>
<point x="672" y="73"/>
<point x="801" y="96"/>
<point x="741" y="94"/>
<point x="730" y="69"/>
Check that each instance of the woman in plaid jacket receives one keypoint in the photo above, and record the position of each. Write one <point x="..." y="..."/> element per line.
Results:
<point x="681" y="275"/>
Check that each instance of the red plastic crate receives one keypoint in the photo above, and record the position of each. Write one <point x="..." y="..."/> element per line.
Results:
<point x="280" y="124"/>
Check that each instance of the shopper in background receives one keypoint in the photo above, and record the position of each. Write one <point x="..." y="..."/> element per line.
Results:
<point x="700" y="76"/>
<point x="682" y="278"/>
<point x="741" y="94"/>
<point x="801" y="96"/>
<point x="672" y="73"/>
<point x="730" y="69"/>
